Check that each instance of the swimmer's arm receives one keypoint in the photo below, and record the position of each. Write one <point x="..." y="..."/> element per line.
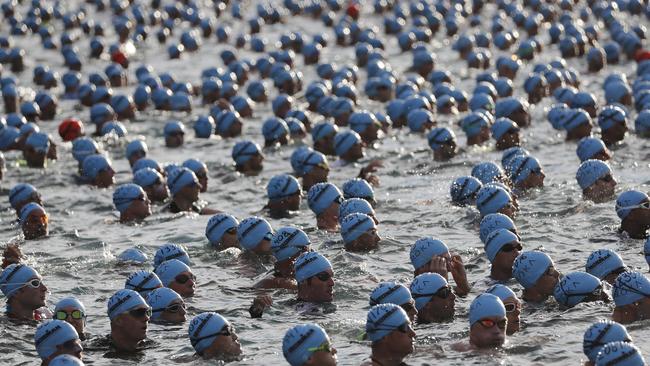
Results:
<point x="272" y="282"/>
<point x="457" y="269"/>
<point x="209" y="211"/>
<point x="260" y="303"/>
<point x="366" y="173"/>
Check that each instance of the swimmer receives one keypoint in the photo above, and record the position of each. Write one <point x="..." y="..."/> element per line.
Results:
<point x="25" y="292"/>
<point x="348" y="146"/>
<point x="221" y="231"/>
<point x="184" y="187"/>
<point x="174" y="134"/>
<point x="432" y="255"/>
<point x="506" y="133"/>
<point x="143" y="282"/>
<point x="536" y="273"/>
<point x="612" y="120"/>
<point x="212" y="337"/>
<point x="476" y="126"/>
<point x="605" y="264"/>
<point x="633" y="208"/>
<point x="177" y="276"/>
<point x="22" y="194"/>
<point x="132" y="256"/>
<point x="132" y="203"/>
<point x="593" y="148"/>
<point x="502" y="247"/>
<point x="394" y="293"/>
<point x="526" y="173"/>
<point x="167" y="306"/>
<point x="287" y="244"/>
<point x="98" y="171"/>
<point x="322" y="135"/>
<point x="136" y="150"/>
<point x="514" y="109"/>
<point x="11" y="255"/>
<point x="599" y="334"/>
<point x="359" y="232"/>
<point x="596" y="181"/>
<point x="493" y="222"/>
<point x="577" y="124"/>
<point x="308" y="345"/>
<point x="83" y="147"/>
<point x="248" y="157"/>
<point x="54" y="338"/>
<point x="493" y="199"/>
<point x="366" y="125"/>
<point x="356" y="205"/>
<point x="276" y="132"/>
<point x="33" y="221"/>
<point x="487" y="323"/>
<point x="359" y="188"/>
<point x="171" y="251"/>
<point x="284" y="194"/>
<point x="73" y="311"/>
<point x="434" y="299"/>
<point x="324" y="200"/>
<point x="579" y="287"/>
<point x="464" y="190"/>
<point x="36" y="148"/>
<point x="200" y="170"/>
<point x="442" y="141"/>
<point x="631" y="292"/>
<point x="315" y="278"/>
<point x="315" y="169"/>
<point x="389" y="329"/>
<point x="620" y="353"/>
<point x="129" y="315"/>
<point x="512" y="305"/>
<point x="254" y="234"/>
<point x="153" y="183"/>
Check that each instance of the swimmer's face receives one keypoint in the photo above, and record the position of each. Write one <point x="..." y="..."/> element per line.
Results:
<point x="136" y="156"/>
<point x="72" y="347"/>
<point x="158" y="192"/>
<point x="293" y="202"/>
<point x="488" y="332"/>
<point x="174" y="139"/>
<point x="370" y="239"/>
<point x="400" y="342"/>
<point x="534" y="180"/>
<point x="78" y="324"/>
<point x="184" y="283"/>
<point x="34" y="158"/>
<point x="229" y="239"/>
<point x="256" y="162"/>
<point x="546" y="284"/>
<point x="616" y="133"/>
<point x="371" y="133"/>
<point x="355" y="153"/>
<point x="321" y="286"/>
<point x="323" y="357"/>
<point x="440" y="308"/>
<point x="509" y="139"/>
<point x="506" y="257"/>
<point x="513" y="312"/>
<point x="331" y="212"/>
<point x="510" y="210"/>
<point x="105" y="178"/>
<point x="203" y="179"/>
<point x="141" y="207"/>
<point x="190" y="192"/>
<point x="264" y="247"/>
<point x="36" y="224"/>
<point x="410" y="309"/>
<point x="602" y="190"/>
<point x="447" y="150"/>
<point x="31" y="297"/>
<point x="235" y="129"/>
<point x="174" y="312"/>
<point x="319" y="174"/>
<point x="136" y="326"/>
<point x="224" y="345"/>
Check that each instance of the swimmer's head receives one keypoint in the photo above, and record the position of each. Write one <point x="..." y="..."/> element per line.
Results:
<point x="463" y="190"/>
<point x="530" y="266"/>
<point x="425" y="249"/>
<point x="577" y="287"/>
<point x="50" y="337"/>
<point x="599" y="334"/>
<point x="383" y="319"/>
<point x="289" y="241"/>
<point x="492" y="222"/>
<point x="302" y="341"/>
<point x="255" y="234"/>
<point x="171" y="251"/>
<point x="122" y="302"/>
<point x="603" y="263"/>
<point x="218" y="226"/>
<point x="630" y="288"/>
<point x="142" y="282"/>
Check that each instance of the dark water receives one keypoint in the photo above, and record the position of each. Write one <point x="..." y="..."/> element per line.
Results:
<point x="78" y="258"/>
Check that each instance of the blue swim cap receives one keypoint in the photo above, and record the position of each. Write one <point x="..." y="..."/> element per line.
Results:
<point x="28" y="209"/>
<point x="133" y="255"/>
<point x="115" y="127"/>
<point x="463" y="190"/>
<point x="243" y="151"/>
<point x="602" y="262"/>
<point x="383" y="319"/>
<point x="424" y="287"/>
<point x="487" y="172"/>
<point x="616" y="91"/>
<point x="136" y="146"/>
<point x="94" y="164"/>
<point x="70" y="302"/>
<point x="171" y="251"/>
<point x="169" y="269"/>
<point x="481" y="101"/>
<point x="174" y="127"/>
<point x="65" y="360"/>
<point x="521" y="167"/>
<point x="630" y="287"/>
<point x="574" y="287"/>
<point x="322" y="195"/>
<point x="309" y="264"/>
<point x="27" y="129"/>
<point x="610" y="116"/>
<point x="425" y="249"/>
<point x="352" y="205"/>
<point x="588" y="147"/>
<point x="506" y="106"/>
<point x="287" y="242"/>
<point x="146" y="177"/>
<point x="204" y="126"/>
<point x="529" y="266"/>
<point x="179" y="178"/>
<point x="125" y="194"/>
<point x="356" y="224"/>
<point x="360" y="121"/>
<point x="495" y="221"/>
<point x="490" y="199"/>
<point x="274" y="128"/>
<point x="440" y="135"/>
<point x="146" y="163"/>
<point x="322" y="130"/>
<point x="218" y="225"/>
<point x="123" y="301"/>
<point x="14" y="277"/>
<point x="599" y="334"/>
<point x="343" y="141"/>
<point x="252" y="230"/>
<point x="484" y="306"/>
<point x="39" y="141"/>
<point x="417" y="118"/>
<point x="50" y="335"/>
<point x="203" y="330"/>
<point x="8" y="136"/>
<point x="573" y="118"/>
<point x="159" y="298"/>
<point x="100" y="113"/>
<point x="20" y="193"/>
<point x="358" y="188"/>
<point x="503" y="292"/>
<point x="170" y="168"/>
<point x="301" y="341"/>
<point x="620" y="354"/>
<point x="590" y="171"/>
<point x="225" y="119"/>
<point x="282" y="186"/>
<point x="142" y="282"/>
<point x="628" y="201"/>
<point x="503" y="126"/>
<point x="496" y="240"/>
<point x="390" y="293"/>
<point x="306" y="162"/>
<point x="510" y="153"/>
<point x="195" y="165"/>
<point x="473" y="123"/>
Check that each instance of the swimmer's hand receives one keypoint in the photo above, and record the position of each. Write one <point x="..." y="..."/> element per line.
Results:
<point x="438" y="265"/>
<point x="372" y="167"/>
<point x="457" y="269"/>
<point x="260" y="303"/>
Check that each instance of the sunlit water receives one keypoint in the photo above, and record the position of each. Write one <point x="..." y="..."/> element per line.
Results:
<point x="78" y="258"/>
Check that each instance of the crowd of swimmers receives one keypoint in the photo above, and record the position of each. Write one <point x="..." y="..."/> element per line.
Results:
<point x="413" y="100"/>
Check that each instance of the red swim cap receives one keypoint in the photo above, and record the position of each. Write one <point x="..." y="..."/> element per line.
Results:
<point x="70" y="129"/>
